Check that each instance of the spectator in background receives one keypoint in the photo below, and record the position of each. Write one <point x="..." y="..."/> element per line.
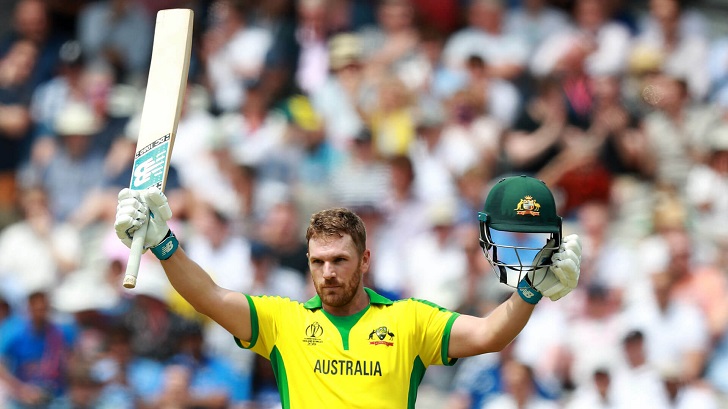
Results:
<point x="677" y="129"/>
<point x="16" y="68"/>
<point x="596" y="395"/>
<point x="224" y="253"/>
<point x="31" y="22"/>
<point x="592" y="338"/>
<point x="312" y="32"/>
<point x="716" y="372"/>
<point x="621" y="144"/>
<point x="117" y="34"/>
<point x="605" y="43"/>
<point x="211" y="382"/>
<point x="363" y="178"/>
<point x="437" y="159"/>
<point x="535" y="20"/>
<point x="75" y="169"/>
<point x="674" y="330"/>
<point x="467" y="122"/>
<point x="436" y="262"/>
<point x="427" y="74"/>
<point x="269" y="277"/>
<point x="706" y="187"/>
<point x="485" y="36"/>
<point x="481" y="379"/>
<point x="340" y="99"/>
<point x="687" y="395"/>
<point x="34" y="355"/>
<point x="85" y="390"/>
<point x="501" y="99"/>
<point x="254" y="133"/>
<point x="391" y="44"/>
<point x="607" y="259"/>
<point x="637" y="383"/>
<point x="404" y="218"/>
<point x="536" y="135"/>
<point x="697" y="282"/>
<point x="280" y="229"/>
<point x="233" y="53"/>
<point x="37" y="252"/>
<point x="392" y="118"/>
<point x="519" y="390"/>
<point x="129" y="378"/>
<point x="68" y="85"/>
<point x="154" y="327"/>
<point x="281" y="62"/>
<point x="682" y="52"/>
<point x="308" y="158"/>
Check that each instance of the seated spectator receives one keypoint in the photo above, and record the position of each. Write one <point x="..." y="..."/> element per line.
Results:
<point x="33" y="355"/>
<point x="119" y="35"/>
<point x="37" y="252"/>
<point x="485" y="35"/>
<point x="210" y="382"/>
<point x="637" y="383"/>
<point x="605" y="42"/>
<point x="233" y="52"/>
<point x="519" y="390"/>
<point x="683" y="52"/>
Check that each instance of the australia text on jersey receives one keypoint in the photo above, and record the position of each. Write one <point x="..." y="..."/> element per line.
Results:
<point x="347" y="367"/>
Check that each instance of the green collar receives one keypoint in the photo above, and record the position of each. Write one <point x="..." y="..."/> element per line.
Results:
<point x="374" y="298"/>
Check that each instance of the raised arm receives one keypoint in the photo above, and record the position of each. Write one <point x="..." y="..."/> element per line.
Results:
<point x="478" y="335"/>
<point x="228" y="308"/>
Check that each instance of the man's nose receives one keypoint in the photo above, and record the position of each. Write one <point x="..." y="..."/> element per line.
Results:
<point x="329" y="271"/>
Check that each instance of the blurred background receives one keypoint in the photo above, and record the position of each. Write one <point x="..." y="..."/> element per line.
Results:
<point x="405" y="111"/>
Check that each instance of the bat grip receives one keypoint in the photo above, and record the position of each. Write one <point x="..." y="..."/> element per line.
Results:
<point x="135" y="256"/>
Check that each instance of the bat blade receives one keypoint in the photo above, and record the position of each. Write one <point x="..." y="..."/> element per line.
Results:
<point x="160" y="115"/>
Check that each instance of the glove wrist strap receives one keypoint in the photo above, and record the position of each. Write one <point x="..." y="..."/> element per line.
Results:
<point x="527" y="292"/>
<point x="166" y="247"/>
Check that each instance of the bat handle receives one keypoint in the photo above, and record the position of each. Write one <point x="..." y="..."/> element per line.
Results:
<point x="135" y="256"/>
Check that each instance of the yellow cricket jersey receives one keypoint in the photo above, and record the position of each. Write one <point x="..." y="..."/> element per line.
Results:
<point x="373" y="359"/>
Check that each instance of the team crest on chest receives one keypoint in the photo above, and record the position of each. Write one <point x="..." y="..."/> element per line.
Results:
<point x="314" y="333"/>
<point x="381" y="336"/>
<point x="528" y="206"/>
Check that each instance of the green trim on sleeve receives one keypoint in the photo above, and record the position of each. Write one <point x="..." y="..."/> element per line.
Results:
<point x="446" y="341"/>
<point x="279" y="370"/>
<point x="418" y="372"/>
<point x="253" y="325"/>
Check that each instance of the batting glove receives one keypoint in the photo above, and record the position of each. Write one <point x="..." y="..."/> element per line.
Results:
<point x="131" y="213"/>
<point x="562" y="276"/>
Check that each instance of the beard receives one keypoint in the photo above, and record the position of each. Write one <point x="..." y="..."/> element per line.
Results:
<point x="341" y="295"/>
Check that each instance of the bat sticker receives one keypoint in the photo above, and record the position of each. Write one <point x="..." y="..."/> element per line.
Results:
<point x="150" y="164"/>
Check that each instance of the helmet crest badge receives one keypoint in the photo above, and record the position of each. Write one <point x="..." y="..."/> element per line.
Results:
<point x="528" y="206"/>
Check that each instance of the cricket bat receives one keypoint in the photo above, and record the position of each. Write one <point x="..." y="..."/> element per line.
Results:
<point x="160" y="115"/>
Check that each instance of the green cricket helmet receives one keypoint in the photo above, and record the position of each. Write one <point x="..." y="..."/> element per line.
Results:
<point x="519" y="204"/>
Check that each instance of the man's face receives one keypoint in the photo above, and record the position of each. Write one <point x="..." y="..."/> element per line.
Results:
<point x="336" y="268"/>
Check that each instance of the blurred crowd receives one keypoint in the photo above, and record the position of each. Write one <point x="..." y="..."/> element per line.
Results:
<point x="405" y="111"/>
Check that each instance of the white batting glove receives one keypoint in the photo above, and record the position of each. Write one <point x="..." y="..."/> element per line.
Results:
<point x="131" y="213"/>
<point x="563" y="275"/>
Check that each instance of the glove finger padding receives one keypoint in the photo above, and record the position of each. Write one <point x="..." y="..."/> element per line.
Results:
<point x="566" y="271"/>
<point x="158" y="204"/>
<point x="159" y="213"/>
<point x="566" y="262"/>
<point x="131" y="213"/>
<point x="540" y="278"/>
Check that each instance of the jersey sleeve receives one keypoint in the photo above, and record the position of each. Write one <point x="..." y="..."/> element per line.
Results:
<point x="432" y="329"/>
<point x="265" y="317"/>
